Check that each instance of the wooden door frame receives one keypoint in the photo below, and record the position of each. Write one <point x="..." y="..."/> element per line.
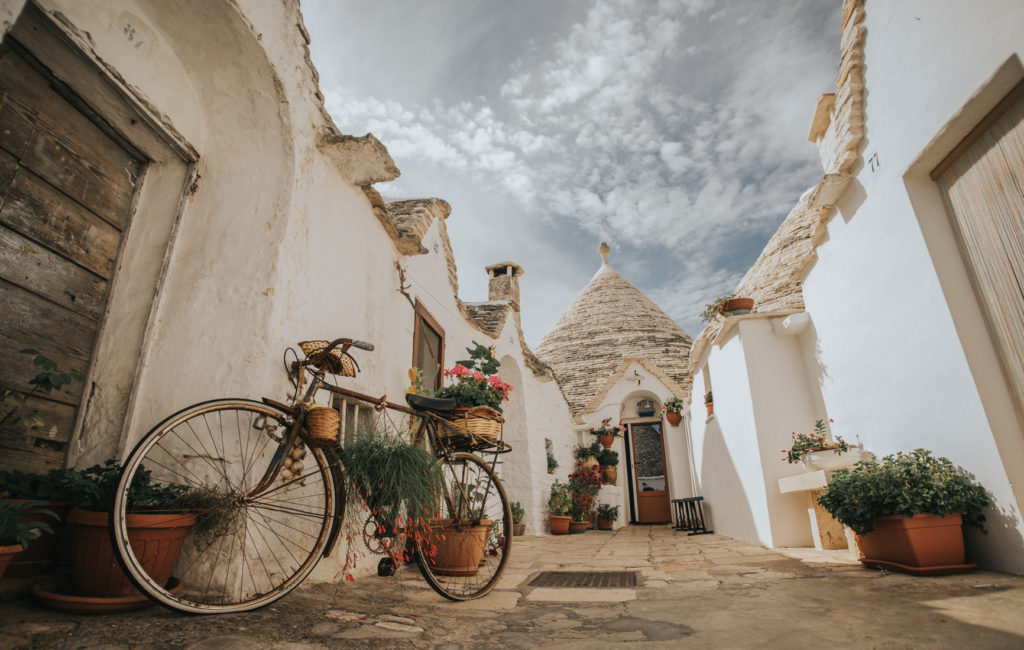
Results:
<point x="630" y="465"/>
<point x="424" y="316"/>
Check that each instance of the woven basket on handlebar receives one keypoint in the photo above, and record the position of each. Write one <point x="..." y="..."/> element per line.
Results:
<point x="477" y="421"/>
<point x="337" y="362"/>
<point x="322" y="423"/>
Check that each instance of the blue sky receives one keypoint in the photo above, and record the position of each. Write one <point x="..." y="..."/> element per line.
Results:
<point x="675" y="130"/>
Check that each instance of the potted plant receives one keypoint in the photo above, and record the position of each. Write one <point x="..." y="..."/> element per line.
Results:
<point x="558" y="508"/>
<point x="478" y="392"/>
<point x="737" y="306"/>
<point x="552" y="462"/>
<point x="607" y="515"/>
<point x="609" y="461"/>
<point x="673" y="407"/>
<point x="709" y="403"/>
<point x="815" y="451"/>
<point x="713" y="309"/>
<point x="17" y="530"/>
<point x="607" y="433"/>
<point x="583" y="487"/>
<point x="908" y="511"/>
<point x="586" y="455"/>
<point x="518" y="527"/>
<point x="52" y="493"/>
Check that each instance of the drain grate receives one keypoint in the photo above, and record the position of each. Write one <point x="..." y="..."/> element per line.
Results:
<point x="591" y="579"/>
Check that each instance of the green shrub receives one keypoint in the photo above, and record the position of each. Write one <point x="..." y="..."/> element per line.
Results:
<point x="903" y="484"/>
<point x="559" y="499"/>
<point x="13" y="530"/>
<point x="609" y="512"/>
<point x="517" y="512"/>
<point x="552" y="462"/>
<point x="608" y="458"/>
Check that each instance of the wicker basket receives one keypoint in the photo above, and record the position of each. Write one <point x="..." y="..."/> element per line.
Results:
<point x="322" y="423"/>
<point x="477" y="422"/>
<point x="337" y="362"/>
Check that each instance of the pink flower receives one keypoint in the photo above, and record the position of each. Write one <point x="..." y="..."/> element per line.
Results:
<point x="477" y="375"/>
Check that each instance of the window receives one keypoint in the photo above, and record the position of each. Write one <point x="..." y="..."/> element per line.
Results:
<point x="428" y="348"/>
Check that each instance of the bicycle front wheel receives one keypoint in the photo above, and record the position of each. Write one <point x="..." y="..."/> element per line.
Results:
<point x="466" y="552"/>
<point x="250" y="544"/>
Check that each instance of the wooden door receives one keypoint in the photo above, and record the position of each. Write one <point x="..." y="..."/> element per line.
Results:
<point x="66" y="188"/>
<point x="650" y="481"/>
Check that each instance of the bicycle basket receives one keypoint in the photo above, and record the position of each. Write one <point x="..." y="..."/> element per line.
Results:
<point x="322" y="423"/>
<point x="337" y="362"/>
<point x="477" y="422"/>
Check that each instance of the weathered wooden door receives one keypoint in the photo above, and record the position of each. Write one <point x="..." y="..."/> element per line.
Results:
<point x="66" y="187"/>
<point x="650" y="483"/>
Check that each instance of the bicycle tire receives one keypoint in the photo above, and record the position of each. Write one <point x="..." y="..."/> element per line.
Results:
<point x="469" y="470"/>
<point x="246" y="550"/>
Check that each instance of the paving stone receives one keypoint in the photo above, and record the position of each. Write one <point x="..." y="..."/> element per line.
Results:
<point x="397" y="619"/>
<point x="12" y="642"/>
<point x="399" y="627"/>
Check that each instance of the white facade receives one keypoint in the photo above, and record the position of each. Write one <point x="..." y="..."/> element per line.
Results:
<point x="897" y="351"/>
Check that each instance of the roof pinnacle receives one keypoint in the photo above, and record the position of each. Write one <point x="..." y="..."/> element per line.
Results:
<point x="604" y="250"/>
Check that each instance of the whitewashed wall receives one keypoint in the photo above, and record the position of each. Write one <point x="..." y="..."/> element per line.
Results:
<point x="906" y="357"/>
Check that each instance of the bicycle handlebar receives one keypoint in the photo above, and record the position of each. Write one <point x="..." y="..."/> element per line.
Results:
<point x="363" y="345"/>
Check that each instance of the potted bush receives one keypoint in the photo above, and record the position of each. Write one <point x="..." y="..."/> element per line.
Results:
<point x="586" y="455"/>
<point x="518" y="527"/>
<point x="609" y="461"/>
<point x="17" y="530"/>
<point x="607" y="515"/>
<point x="815" y="451"/>
<point x="908" y="511"/>
<point x="583" y="487"/>
<point x="607" y="432"/>
<point x="53" y="493"/>
<point x="552" y="462"/>
<point x="478" y="392"/>
<point x="709" y="403"/>
<point x="713" y="309"/>
<point x="558" y="508"/>
<point x="673" y="407"/>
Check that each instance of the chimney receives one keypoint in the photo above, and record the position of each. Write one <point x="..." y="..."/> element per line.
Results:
<point x="503" y="282"/>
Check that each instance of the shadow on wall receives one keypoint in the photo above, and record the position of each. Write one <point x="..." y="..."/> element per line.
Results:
<point x="1002" y="525"/>
<point x="722" y="490"/>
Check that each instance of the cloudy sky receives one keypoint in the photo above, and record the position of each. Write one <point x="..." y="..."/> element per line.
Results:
<point x="675" y="130"/>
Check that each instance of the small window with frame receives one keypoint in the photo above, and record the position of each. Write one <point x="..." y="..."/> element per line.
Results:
<point x="428" y="348"/>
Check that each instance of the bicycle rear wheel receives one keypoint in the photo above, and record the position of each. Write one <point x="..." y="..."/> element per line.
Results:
<point x="476" y="517"/>
<point x="247" y="548"/>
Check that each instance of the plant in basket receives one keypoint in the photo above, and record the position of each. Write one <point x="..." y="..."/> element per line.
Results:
<point x="478" y="393"/>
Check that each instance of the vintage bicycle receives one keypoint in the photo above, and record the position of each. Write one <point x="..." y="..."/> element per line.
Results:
<point x="269" y="502"/>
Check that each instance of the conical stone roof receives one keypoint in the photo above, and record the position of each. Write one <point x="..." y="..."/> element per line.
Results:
<point x="608" y="322"/>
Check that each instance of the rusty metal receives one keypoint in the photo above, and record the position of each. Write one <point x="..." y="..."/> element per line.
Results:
<point x="586" y="579"/>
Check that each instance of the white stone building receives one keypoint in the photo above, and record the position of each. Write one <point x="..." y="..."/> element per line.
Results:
<point x="890" y="298"/>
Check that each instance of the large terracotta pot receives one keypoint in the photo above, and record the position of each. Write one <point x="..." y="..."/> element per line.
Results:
<point x="155" y="539"/>
<point x="460" y="548"/>
<point x="673" y="418"/>
<point x="606" y="441"/>
<point x="578" y="527"/>
<point x="590" y="464"/>
<point x="610" y="474"/>
<point x="559" y="524"/>
<point x="6" y="554"/>
<point x="41" y="554"/>
<point x="923" y="541"/>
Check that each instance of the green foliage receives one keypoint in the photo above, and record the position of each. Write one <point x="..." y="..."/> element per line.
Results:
<point x="55" y="485"/>
<point x="552" y="462"/>
<point x="15" y="530"/>
<point x="474" y="382"/>
<point x="674" y="405"/>
<point x="608" y="458"/>
<point x="804" y="444"/>
<point x="49" y="379"/>
<point x="558" y="501"/>
<point x="709" y="398"/>
<point x="609" y="512"/>
<point x="481" y="358"/>
<point x="517" y="512"/>
<point x="398" y="483"/>
<point x="583" y="452"/>
<point x="903" y="484"/>
<point x="95" y="488"/>
<point x="713" y="310"/>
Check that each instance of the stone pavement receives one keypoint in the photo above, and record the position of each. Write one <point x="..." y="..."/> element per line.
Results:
<point x="705" y="591"/>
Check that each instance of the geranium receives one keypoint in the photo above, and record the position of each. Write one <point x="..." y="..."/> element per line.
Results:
<point x="806" y="443"/>
<point x="474" y="380"/>
<point x="584" y="485"/>
<point x="606" y="429"/>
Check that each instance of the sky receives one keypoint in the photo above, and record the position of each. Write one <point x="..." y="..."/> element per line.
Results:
<point x="674" y="130"/>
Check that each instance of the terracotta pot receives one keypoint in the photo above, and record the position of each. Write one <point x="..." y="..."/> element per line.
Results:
<point x="461" y="550"/>
<point x="7" y="553"/>
<point x="606" y="441"/>
<point x="578" y="527"/>
<point x="590" y="464"/>
<point x="41" y="555"/>
<point x="592" y="522"/>
<point x="604" y="524"/>
<point x="921" y="541"/>
<point x="559" y="524"/>
<point x="155" y="539"/>
<point x="710" y="406"/>
<point x="673" y="418"/>
<point x="610" y="474"/>
<point x="518" y="530"/>
<point x="743" y="305"/>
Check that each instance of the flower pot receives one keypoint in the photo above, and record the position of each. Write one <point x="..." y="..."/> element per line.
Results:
<point x="578" y="527"/>
<point x="829" y="459"/>
<point x="559" y="524"/>
<point x="604" y="524"/>
<point x="711" y="407"/>
<point x="590" y="464"/>
<point x="156" y="540"/>
<point x="673" y="417"/>
<point x="7" y="553"/>
<point x="737" y="306"/>
<point x="460" y="548"/>
<point x="610" y="474"/>
<point x="41" y="555"/>
<point x="606" y="441"/>
<point x="518" y="530"/>
<point x="924" y="544"/>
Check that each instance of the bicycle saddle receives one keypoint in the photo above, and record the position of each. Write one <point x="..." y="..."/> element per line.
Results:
<point x="429" y="403"/>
